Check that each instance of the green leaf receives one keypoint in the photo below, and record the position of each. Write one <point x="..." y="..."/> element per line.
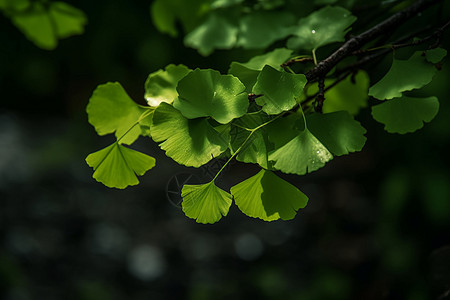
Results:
<point x="166" y="13"/>
<point x="279" y="90"/>
<point x="206" y="203"/>
<point x="268" y="197"/>
<point x="161" y="86"/>
<point x="207" y="93"/>
<point x="217" y="32"/>
<point x="225" y="3"/>
<point x="188" y="142"/>
<point x="303" y="154"/>
<point x="110" y="110"/>
<point x="259" y="30"/>
<point x="435" y="55"/>
<point x="14" y="5"/>
<point x="404" y="75"/>
<point x="248" y="72"/>
<point x="338" y="131"/>
<point x="406" y="114"/>
<point x="322" y="27"/>
<point x="256" y="149"/>
<point x="68" y="20"/>
<point x="43" y="26"/>
<point x="349" y="94"/>
<point x="117" y="166"/>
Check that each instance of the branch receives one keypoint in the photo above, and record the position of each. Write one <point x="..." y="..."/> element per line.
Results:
<point x="358" y="41"/>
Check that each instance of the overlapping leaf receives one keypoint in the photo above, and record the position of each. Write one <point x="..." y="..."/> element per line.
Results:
<point x="248" y="72"/>
<point x="188" y="142"/>
<point x="118" y="166"/>
<point x="404" y="75"/>
<point x="111" y="110"/>
<point x="435" y="55"/>
<point x="268" y="197"/>
<point x="257" y="147"/>
<point x="279" y="90"/>
<point x="44" y="25"/>
<point x="338" y="131"/>
<point x="405" y="114"/>
<point x="207" y="93"/>
<point x="206" y="203"/>
<point x="322" y="27"/>
<point x="161" y="86"/>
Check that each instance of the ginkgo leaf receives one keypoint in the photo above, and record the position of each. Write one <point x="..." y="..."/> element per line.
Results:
<point x="110" y="110"/>
<point x="322" y="27"/>
<point x="118" y="166"/>
<point x="435" y="55"/>
<point x="405" y="114"/>
<point x="44" y="25"/>
<point x="206" y="203"/>
<point x="303" y="154"/>
<point x="217" y="32"/>
<point x="248" y="72"/>
<point x="338" y="131"/>
<point x="404" y="75"/>
<point x="257" y="147"/>
<point x="279" y="90"/>
<point x="161" y="86"/>
<point x="268" y="197"/>
<point x="188" y="142"/>
<point x="207" y="93"/>
<point x="260" y="29"/>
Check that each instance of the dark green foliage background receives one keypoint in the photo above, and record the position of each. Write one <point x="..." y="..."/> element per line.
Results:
<point x="376" y="226"/>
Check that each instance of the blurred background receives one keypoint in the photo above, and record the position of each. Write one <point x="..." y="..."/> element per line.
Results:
<point x="377" y="225"/>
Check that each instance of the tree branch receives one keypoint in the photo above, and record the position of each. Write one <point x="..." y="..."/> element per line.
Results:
<point x="358" y="41"/>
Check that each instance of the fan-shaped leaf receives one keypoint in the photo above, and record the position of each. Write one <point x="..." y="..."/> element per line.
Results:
<point x="303" y="154"/>
<point x="322" y="27"/>
<point x="206" y="203"/>
<point x="268" y="197"/>
<point x="110" y="110"/>
<point x="279" y="90"/>
<point x="188" y="142"/>
<point x="207" y="93"/>
<point x="404" y="75"/>
<point x="117" y="166"/>
<point x="161" y="86"/>
<point x="406" y="114"/>
<point x="338" y="131"/>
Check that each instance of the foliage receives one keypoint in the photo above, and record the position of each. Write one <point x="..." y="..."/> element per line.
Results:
<point x="270" y="111"/>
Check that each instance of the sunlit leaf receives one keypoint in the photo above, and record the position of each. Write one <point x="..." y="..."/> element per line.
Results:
<point x="279" y="89"/>
<point x="405" y="114"/>
<point x="338" y="131"/>
<point x="303" y="154"/>
<point x="248" y="72"/>
<point x="404" y="75"/>
<point x="206" y="203"/>
<point x="207" y="93"/>
<point x="161" y="86"/>
<point x="322" y="27"/>
<point x="217" y="32"/>
<point x="435" y="55"/>
<point x="268" y="197"/>
<point x="224" y="3"/>
<point x="111" y="110"/>
<point x="118" y="166"/>
<point x="188" y="142"/>
<point x="260" y="29"/>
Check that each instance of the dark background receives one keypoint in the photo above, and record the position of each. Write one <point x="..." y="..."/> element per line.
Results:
<point x="377" y="225"/>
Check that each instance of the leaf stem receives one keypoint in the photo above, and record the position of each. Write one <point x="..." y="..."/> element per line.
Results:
<point x="245" y="141"/>
<point x="144" y="115"/>
<point x="314" y="56"/>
